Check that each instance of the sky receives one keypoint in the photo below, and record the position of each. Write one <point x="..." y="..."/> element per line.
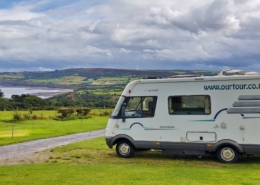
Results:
<point x="45" y="35"/>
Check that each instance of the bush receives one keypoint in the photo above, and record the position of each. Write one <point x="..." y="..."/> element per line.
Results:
<point x="26" y="116"/>
<point x="66" y="112"/>
<point x="20" y="117"/>
<point x="79" y="112"/>
<point x="17" y="116"/>
<point x="86" y="111"/>
<point x="42" y="117"/>
<point x="106" y="113"/>
<point x="83" y="111"/>
<point x="34" y="116"/>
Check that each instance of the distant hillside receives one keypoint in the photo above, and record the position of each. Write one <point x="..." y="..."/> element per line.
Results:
<point x="98" y="88"/>
<point x="73" y="78"/>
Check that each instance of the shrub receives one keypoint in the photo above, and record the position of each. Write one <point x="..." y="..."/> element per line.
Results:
<point x="17" y="116"/>
<point x="86" y="111"/>
<point x="106" y="113"/>
<point x="26" y="116"/>
<point x="34" y="116"/>
<point x="42" y="117"/>
<point x="66" y="112"/>
<point x="83" y="111"/>
<point x="79" y="112"/>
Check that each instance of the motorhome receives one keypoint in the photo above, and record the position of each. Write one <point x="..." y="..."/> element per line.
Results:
<point x="187" y="115"/>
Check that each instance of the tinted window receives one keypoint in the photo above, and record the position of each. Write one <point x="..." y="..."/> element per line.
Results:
<point x="189" y="105"/>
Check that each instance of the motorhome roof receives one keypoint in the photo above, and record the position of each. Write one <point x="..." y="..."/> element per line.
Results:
<point x="203" y="78"/>
<point x="231" y="78"/>
<point x="185" y="76"/>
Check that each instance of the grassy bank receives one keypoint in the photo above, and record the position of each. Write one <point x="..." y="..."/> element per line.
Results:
<point x="91" y="162"/>
<point x="36" y="129"/>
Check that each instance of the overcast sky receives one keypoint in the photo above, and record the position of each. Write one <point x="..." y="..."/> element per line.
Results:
<point x="38" y="35"/>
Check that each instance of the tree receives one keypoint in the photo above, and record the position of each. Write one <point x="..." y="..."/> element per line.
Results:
<point x="34" y="101"/>
<point x="15" y="98"/>
<point x="4" y="104"/>
<point x="1" y="94"/>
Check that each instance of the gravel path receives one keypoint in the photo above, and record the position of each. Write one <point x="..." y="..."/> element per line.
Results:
<point x="24" y="150"/>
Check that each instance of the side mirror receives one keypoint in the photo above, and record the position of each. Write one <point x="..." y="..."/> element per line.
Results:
<point x="123" y="113"/>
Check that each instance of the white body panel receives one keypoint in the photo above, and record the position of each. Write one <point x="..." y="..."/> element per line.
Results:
<point x="242" y="128"/>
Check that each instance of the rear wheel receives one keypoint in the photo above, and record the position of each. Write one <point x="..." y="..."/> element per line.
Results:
<point x="227" y="154"/>
<point x="125" y="149"/>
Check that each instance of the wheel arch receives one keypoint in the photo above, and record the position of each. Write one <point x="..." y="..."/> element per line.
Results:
<point x="230" y="143"/>
<point x="120" y="137"/>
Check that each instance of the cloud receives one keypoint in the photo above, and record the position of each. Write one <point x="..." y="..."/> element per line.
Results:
<point x="122" y="50"/>
<point x="44" y="69"/>
<point x="38" y="35"/>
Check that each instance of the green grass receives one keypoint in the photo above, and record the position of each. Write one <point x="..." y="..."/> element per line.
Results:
<point x="101" y="91"/>
<point x="92" y="162"/>
<point x="98" y="112"/>
<point x="12" y="76"/>
<point x="112" y="80"/>
<point x="37" y="129"/>
<point x="8" y="115"/>
<point x="68" y="80"/>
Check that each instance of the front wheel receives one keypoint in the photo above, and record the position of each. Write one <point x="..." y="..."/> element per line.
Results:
<point x="227" y="154"/>
<point x="125" y="149"/>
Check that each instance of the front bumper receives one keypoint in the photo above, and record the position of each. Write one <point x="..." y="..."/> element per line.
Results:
<point x="109" y="141"/>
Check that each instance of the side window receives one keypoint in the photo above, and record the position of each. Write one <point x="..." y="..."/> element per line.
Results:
<point x="140" y="107"/>
<point x="189" y="105"/>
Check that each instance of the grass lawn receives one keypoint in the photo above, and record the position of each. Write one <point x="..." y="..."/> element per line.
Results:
<point x="37" y="129"/>
<point x="102" y="91"/>
<point x="92" y="162"/>
<point x="68" y="80"/>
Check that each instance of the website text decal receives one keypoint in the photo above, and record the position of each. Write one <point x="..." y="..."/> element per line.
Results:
<point x="231" y="87"/>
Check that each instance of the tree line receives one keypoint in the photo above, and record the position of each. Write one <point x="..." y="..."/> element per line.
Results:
<point x="32" y="102"/>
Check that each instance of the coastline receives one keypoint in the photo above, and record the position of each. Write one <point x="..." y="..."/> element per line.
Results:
<point x="42" y="92"/>
<point x="51" y="94"/>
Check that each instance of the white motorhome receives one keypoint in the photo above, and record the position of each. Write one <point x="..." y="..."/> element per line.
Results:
<point x="189" y="115"/>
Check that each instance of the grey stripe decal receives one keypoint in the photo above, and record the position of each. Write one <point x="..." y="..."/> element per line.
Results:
<point x="249" y="97"/>
<point x="243" y="110"/>
<point x="246" y="104"/>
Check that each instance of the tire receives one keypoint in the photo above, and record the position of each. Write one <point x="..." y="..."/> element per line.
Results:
<point x="125" y="149"/>
<point x="227" y="154"/>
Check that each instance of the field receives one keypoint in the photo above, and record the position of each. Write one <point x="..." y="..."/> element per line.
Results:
<point x="36" y="129"/>
<point x="92" y="162"/>
<point x="72" y="78"/>
<point x="68" y="80"/>
<point x="75" y="80"/>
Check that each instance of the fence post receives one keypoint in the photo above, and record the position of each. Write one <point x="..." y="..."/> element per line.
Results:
<point x="12" y="130"/>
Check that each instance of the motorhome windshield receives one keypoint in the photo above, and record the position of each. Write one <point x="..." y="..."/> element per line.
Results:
<point x="118" y="106"/>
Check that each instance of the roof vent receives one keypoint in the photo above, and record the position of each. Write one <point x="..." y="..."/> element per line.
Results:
<point x="152" y="77"/>
<point x="230" y="72"/>
<point x="185" y="76"/>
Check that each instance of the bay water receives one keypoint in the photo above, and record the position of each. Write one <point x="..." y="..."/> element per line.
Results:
<point x="41" y="92"/>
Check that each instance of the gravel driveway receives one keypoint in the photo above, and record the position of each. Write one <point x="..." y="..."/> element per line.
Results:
<point x="22" y="151"/>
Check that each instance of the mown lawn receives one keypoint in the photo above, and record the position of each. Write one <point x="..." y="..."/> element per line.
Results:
<point x="92" y="162"/>
<point x="36" y="129"/>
